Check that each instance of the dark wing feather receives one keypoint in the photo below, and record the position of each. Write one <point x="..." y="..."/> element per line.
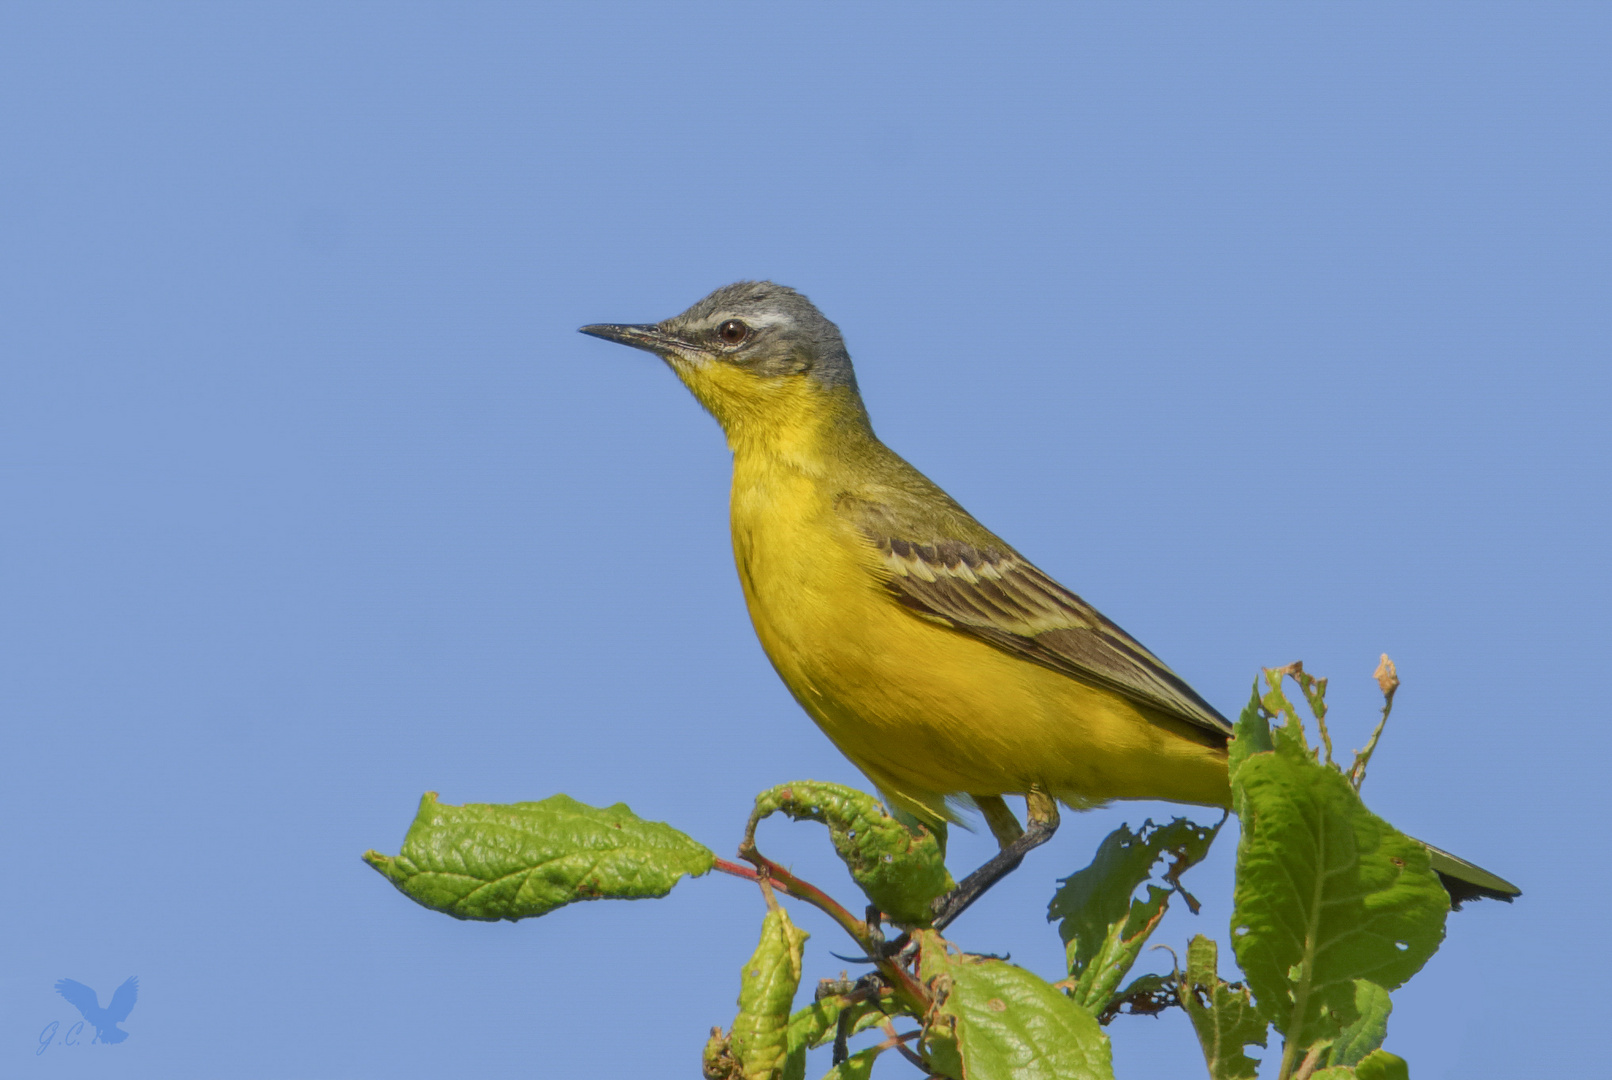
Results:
<point x="993" y="593"/>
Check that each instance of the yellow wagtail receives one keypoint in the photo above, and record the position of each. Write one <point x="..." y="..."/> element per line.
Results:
<point x="942" y="662"/>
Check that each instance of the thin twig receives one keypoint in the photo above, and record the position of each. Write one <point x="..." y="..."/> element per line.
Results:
<point x="736" y="870"/>
<point x="898" y="1043"/>
<point x="1388" y="681"/>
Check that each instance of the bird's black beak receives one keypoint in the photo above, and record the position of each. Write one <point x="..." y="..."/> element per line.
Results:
<point x="646" y="336"/>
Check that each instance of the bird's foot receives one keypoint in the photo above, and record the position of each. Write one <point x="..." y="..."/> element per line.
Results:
<point x="1043" y="822"/>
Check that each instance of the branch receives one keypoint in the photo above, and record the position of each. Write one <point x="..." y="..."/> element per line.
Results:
<point x="867" y="937"/>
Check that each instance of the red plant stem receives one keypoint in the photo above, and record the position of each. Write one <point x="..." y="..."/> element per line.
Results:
<point x="899" y="1044"/>
<point x="740" y="871"/>
<point x="813" y="896"/>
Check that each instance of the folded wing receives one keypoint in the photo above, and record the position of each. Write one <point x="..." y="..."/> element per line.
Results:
<point x="981" y="587"/>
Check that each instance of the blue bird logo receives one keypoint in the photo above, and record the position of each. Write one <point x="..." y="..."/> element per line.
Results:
<point x="105" y="1021"/>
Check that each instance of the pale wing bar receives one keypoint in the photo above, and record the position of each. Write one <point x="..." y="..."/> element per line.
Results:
<point x="1007" y="602"/>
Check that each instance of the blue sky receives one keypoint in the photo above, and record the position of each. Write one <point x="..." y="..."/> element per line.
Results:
<point x="1276" y="331"/>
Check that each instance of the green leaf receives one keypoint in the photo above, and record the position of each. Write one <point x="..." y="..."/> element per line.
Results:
<point x="1223" y="1015"/>
<point x="818" y="1023"/>
<point x="1289" y="734"/>
<point x="1252" y="732"/>
<point x="525" y="859"/>
<point x="1378" y="1065"/>
<point x="1103" y="928"/>
<point x="901" y="868"/>
<point x="859" y="1066"/>
<point x="1327" y="892"/>
<point x="995" y="1021"/>
<point x="1381" y="1065"/>
<point x="1315" y="696"/>
<point x="1367" y="1031"/>
<point x="759" y="1041"/>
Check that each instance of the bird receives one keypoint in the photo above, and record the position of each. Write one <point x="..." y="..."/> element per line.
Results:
<point x="944" y="664"/>
<point x="104" y="1021"/>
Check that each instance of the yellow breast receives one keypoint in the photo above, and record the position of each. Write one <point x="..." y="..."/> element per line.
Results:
<point x="923" y="710"/>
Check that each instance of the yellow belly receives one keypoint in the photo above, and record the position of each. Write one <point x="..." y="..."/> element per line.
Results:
<point x="926" y="711"/>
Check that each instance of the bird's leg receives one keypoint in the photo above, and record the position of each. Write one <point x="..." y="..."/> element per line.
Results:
<point x="1003" y="825"/>
<point x="1042" y="813"/>
<point x="1007" y="830"/>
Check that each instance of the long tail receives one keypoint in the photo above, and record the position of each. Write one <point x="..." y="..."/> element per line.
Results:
<point x="1465" y="881"/>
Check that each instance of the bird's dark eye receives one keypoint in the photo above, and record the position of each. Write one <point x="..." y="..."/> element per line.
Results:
<point x="732" y="332"/>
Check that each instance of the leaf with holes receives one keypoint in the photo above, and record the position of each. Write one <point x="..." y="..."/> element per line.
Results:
<point x="1103" y="928"/>
<point x="1223" y="1015"/>
<point x="900" y="867"/>
<point x="1327" y="892"/>
<point x="521" y="860"/>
